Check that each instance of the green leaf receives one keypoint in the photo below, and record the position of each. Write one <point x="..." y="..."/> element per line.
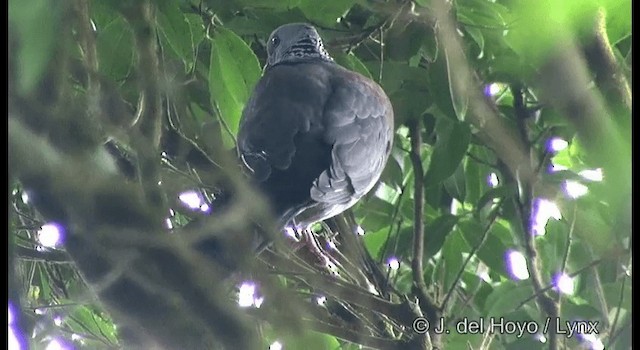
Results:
<point x="325" y="12"/>
<point x="404" y="41"/>
<point x="375" y="241"/>
<point x="452" y="257"/>
<point x="429" y="48"/>
<point x="492" y="251"/>
<point x="439" y="86"/>
<point x="459" y="101"/>
<point x="451" y="146"/>
<point x="396" y="75"/>
<point x="464" y="340"/>
<point x="174" y="26"/>
<point x="35" y="23"/>
<point x="436" y="232"/>
<point x="611" y="293"/>
<point x="311" y="341"/>
<point x="85" y="320"/>
<point x="483" y="13"/>
<point x="196" y="27"/>
<point x="409" y="102"/>
<point x="506" y="297"/>
<point x="478" y="38"/>
<point x="115" y="48"/>
<point x="497" y="192"/>
<point x="233" y="72"/>
<point x="277" y="5"/>
<point x="352" y="62"/>
<point x="44" y="282"/>
<point x="618" y="18"/>
<point x="377" y="214"/>
<point x="479" y="287"/>
<point x="544" y="24"/>
<point x="475" y="180"/>
<point x="392" y="174"/>
<point x="455" y="184"/>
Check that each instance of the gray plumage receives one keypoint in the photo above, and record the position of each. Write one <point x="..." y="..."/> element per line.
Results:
<point x="315" y="135"/>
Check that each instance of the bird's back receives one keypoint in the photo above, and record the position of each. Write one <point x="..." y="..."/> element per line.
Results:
<point x="316" y="137"/>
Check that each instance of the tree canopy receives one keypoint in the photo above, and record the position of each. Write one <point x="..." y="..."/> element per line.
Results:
<point x="503" y="215"/>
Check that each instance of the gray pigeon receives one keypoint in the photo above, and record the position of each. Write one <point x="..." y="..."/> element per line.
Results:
<point x="314" y="135"/>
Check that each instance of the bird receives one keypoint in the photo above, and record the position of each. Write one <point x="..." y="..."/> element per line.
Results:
<point x="314" y="136"/>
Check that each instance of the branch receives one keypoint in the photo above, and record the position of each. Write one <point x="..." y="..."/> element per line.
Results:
<point x="524" y="204"/>
<point x="492" y="219"/>
<point x="419" y="285"/>
<point x="186" y="311"/>
<point x="492" y="129"/>
<point x="141" y="17"/>
<point x="87" y="36"/>
<point x="564" y="83"/>
<point x="547" y="304"/>
<point x="614" y="324"/>
<point x="341" y="290"/>
<point x="608" y="75"/>
<point x="549" y="286"/>
<point x="53" y="256"/>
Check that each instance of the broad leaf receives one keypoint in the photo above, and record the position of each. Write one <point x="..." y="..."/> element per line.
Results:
<point x="233" y="72"/>
<point x="451" y="146"/>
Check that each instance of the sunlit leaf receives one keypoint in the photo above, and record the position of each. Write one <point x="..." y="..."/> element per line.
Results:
<point x="233" y="72"/>
<point x="173" y="24"/>
<point x="352" y="62"/>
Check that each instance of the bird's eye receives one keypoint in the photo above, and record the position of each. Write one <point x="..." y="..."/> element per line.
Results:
<point x="275" y="41"/>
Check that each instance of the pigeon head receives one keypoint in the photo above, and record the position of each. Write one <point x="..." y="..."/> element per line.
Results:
<point x="295" y="42"/>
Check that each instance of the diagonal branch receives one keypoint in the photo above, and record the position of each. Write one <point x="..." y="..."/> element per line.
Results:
<point x="608" y="76"/>
<point x="491" y="128"/>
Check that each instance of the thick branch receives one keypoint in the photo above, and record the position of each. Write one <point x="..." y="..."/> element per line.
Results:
<point x="141" y="17"/>
<point x="492" y="129"/>
<point x="524" y="204"/>
<point x="157" y="291"/>
<point x="546" y="303"/>
<point x="608" y="75"/>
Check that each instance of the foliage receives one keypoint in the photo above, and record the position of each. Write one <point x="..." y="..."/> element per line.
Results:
<point x="480" y="88"/>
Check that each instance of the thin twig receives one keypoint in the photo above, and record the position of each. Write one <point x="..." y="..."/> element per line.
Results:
<point x="52" y="257"/>
<point x="419" y="285"/>
<point x="396" y="211"/>
<point x="567" y="248"/>
<point x="550" y="286"/>
<point x="547" y="304"/>
<point x="613" y="337"/>
<point x="614" y="324"/>
<point x="492" y="219"/>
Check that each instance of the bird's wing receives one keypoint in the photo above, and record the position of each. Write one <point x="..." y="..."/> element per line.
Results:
<point x="286" y="104"/>
<point x="358" y="120"/>
<point x="316" y="137"/>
